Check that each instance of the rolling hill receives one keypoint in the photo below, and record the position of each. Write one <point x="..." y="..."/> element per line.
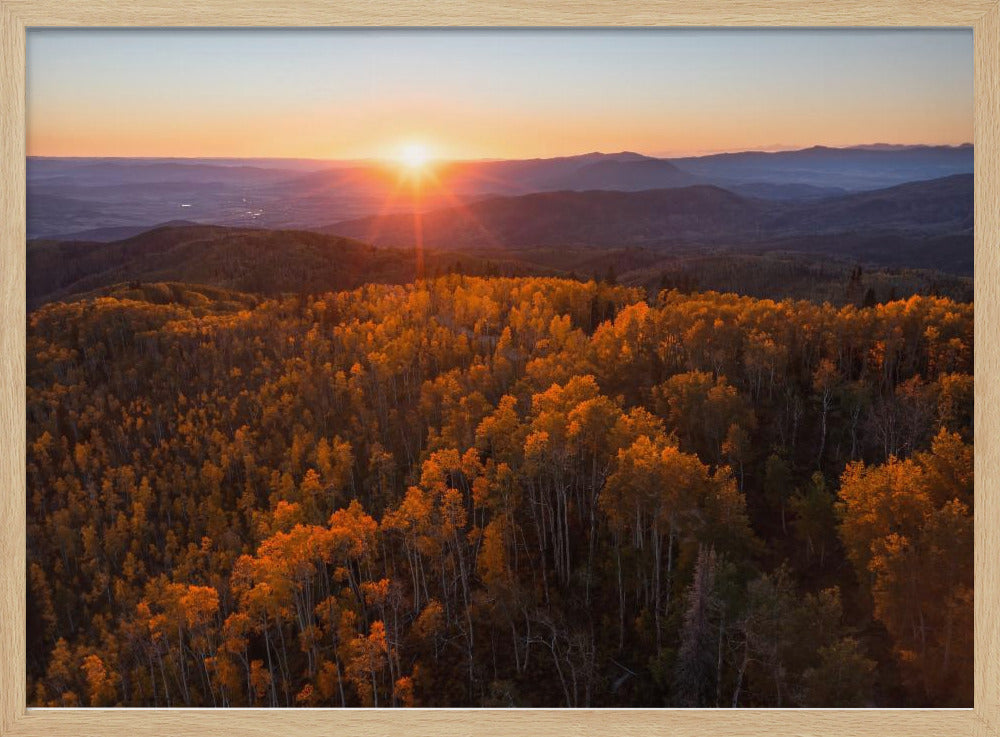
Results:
<point x="595" y="218"/>
<point x="936" y="206"/>
<point x="911" y="218"/>
<point x="246" y="260"/>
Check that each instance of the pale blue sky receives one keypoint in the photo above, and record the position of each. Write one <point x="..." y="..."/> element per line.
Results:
<point x="490" y="93"/>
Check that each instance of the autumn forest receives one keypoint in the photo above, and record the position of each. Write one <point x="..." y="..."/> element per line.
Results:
<point x="470" y="491"/>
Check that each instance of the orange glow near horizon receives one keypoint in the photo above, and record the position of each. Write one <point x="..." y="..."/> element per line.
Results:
<point x="464" y="95"/>
<point x="682" y="136"/>
<point x="471" y="139"/>
<point x="421" y="186"/>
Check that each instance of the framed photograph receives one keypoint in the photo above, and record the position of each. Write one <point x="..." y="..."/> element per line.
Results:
<point x="574" y="368"/>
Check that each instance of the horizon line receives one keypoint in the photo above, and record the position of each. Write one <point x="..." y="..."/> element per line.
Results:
<point x="770" y="149"/>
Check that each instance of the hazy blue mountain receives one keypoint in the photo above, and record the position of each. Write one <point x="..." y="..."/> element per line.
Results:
<point x="855" y="168"/>
<point x="773" y="191"/>
<point x="628" y="175"/>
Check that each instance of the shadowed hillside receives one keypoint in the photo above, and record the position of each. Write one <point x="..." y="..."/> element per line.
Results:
<point x="259" y="261"/>
<point x="926" y="224"/>
<point x="593" y="218"/>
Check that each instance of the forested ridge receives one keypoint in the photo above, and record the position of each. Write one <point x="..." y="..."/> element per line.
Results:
<point x="272" y="263"/>
<point x="498" y="492"/>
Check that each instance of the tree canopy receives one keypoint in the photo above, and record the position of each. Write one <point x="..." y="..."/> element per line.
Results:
<point x="498" y="491"/>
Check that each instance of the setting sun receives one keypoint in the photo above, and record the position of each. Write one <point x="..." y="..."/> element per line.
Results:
<point x="414" y="156"/>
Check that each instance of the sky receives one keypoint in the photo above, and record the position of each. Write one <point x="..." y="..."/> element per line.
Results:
<point x="467" y="94"/>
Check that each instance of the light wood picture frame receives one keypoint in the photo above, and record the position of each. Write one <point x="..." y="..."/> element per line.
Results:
<point x="983" y="16"/>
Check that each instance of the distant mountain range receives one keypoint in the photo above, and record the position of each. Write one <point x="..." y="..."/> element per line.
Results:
<point x="70" y="196"/>
<point x="268" y="227"/>
<point x="859" y="168"/>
